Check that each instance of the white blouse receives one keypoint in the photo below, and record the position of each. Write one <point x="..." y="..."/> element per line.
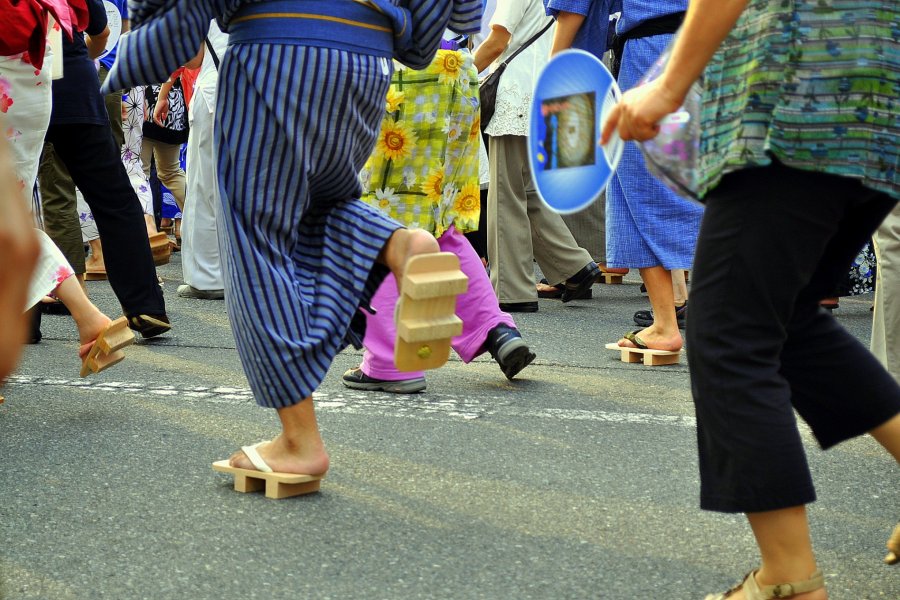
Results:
<point x="523" y="19"/>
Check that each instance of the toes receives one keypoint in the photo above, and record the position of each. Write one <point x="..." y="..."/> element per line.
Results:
<point x="239" y="460"/>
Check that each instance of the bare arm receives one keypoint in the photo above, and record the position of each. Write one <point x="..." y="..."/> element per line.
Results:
<point x="706" y="25"/>
<point x="197" y="61"/>
<point x="567" y="25"/>
<point x="161" y="110"/>
<point x="96" y="44"/>
<point x="492" y="47"/>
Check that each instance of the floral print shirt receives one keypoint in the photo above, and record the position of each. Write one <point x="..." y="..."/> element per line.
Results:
<point x="814" y="84"/>
<point x="424" y="171"/>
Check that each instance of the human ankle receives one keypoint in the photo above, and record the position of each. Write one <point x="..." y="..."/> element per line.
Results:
<point x="793" y="575"/>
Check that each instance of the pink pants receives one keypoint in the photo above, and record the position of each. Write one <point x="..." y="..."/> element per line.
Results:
<point x="478" y="308"/>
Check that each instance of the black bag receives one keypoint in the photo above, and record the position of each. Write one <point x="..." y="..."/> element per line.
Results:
<point x="487" y="89"/>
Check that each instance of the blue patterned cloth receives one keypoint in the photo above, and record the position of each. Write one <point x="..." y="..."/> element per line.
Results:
<point x="635" y="12"/>
<point x="594" y="32"/>
<point x="167" y="33"/>
<point x="647" y="225"/>
<point x="299" y="247"/>
<point x="294" y="126"/>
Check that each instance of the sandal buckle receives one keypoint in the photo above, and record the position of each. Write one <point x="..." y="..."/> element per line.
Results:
<point x="783" y="590"/>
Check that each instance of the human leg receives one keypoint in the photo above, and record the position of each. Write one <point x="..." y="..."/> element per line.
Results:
<point x="786" y="549"/>
<point x="663" y="334"/>
<point x="300" y="254"/>
<point x="59" y="207"/>
<point x="379" y="342"/>
<point x="113" y="103"/>
<point x="19" y="253"/>
<point x="885" y="342"/>
<point x="509" y="236"/>
<point x="200" y="259"/>
<point x="54" y="275"/>
<point x="555" y="249"/>
<point x="478" y="307"/>
<point x="760" y="347"/>
<point x="90" y="154"/>
<point x="169" y="171"/>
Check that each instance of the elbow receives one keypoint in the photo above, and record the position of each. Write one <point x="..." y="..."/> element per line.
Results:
<point x="492" y="51"/>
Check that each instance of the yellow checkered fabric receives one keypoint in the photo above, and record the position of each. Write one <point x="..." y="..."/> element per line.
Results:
<point x="424" y="170"/>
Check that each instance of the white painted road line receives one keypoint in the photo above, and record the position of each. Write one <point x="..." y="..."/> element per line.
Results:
<point x="429" y="406"/>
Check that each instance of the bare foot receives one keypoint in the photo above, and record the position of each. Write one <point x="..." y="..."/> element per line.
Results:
<point x="286" y="457"/>
<point x="94" y="265"/>
<point x="656" y="340"/>
<point x="91" y="325"/>
<point x="403" y="245"/>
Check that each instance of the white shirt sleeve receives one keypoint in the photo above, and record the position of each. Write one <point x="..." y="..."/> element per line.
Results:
<point x="509" y="14"/>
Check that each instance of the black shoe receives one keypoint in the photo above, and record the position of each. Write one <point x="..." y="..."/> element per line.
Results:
<point x="34" y="325"/>
<point x="357" y="380"/>
<point x="644" y="318"/>
<point x="150" y="325"/>
<point x="522" y="307"/>
<point x="556" y="291"/>
<point x="580" y="283"/>
<point x="506" y="345"/>
<point x="54" y="308"/>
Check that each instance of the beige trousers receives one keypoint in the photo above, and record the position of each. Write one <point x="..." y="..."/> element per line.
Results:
<point x="522" y="229"/>
<point x="886" y="320"/>
<point x="168" y="166"/>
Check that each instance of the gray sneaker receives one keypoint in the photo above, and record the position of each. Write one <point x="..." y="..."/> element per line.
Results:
<point x="187" y="291"/>
<point x="357" y="380"/>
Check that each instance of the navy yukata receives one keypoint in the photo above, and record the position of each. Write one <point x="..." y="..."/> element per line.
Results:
<point x="301" y="97"/>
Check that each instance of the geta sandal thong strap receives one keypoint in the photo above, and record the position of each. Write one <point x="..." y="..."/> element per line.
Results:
<point x="255" y="458"/>
<point x="753" y="591"/>
<point x="634" y="339"/>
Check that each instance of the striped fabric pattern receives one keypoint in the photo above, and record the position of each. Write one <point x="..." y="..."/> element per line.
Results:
<point x="299" y="246"/>
<point x="167" y="33"/>
<point x="647" y="225"/>
<point x="814" y="84"/>
<point x="294" y="126"/>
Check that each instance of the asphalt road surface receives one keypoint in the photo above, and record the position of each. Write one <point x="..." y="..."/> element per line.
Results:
<point x="578" y="480"/>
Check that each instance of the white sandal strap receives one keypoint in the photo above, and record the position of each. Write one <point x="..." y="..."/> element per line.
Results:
<point x="255" y="458"/>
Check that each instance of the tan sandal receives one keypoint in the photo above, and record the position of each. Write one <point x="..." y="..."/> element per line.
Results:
<point x="893" y="546"/>
<point x="753" y="591"/>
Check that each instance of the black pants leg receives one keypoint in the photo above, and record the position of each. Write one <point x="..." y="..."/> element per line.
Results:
<point x="773" y="241"/>
<point x="92" y="158"/>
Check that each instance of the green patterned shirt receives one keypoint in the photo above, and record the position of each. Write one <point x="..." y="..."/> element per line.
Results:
<point x="812" y="83"/>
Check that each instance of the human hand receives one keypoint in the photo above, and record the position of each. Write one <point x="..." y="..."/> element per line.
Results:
<point x="161" y="110"/>
<point x="638" y="113"/>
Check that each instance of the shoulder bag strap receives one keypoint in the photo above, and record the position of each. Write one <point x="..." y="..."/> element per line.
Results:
<point x="529" y="42"/>
<point x="212" y="53"/>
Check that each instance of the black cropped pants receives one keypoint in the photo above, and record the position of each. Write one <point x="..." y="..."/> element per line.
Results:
<point x="774" y="241"/>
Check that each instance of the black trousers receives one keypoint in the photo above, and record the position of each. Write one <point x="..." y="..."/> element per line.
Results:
<point x="92" y="158"/>
<point x="773" y="242"/>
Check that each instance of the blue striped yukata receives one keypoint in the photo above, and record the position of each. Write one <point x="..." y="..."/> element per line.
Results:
<point x="647" y="225"/>
<point x="300" y="103"/>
